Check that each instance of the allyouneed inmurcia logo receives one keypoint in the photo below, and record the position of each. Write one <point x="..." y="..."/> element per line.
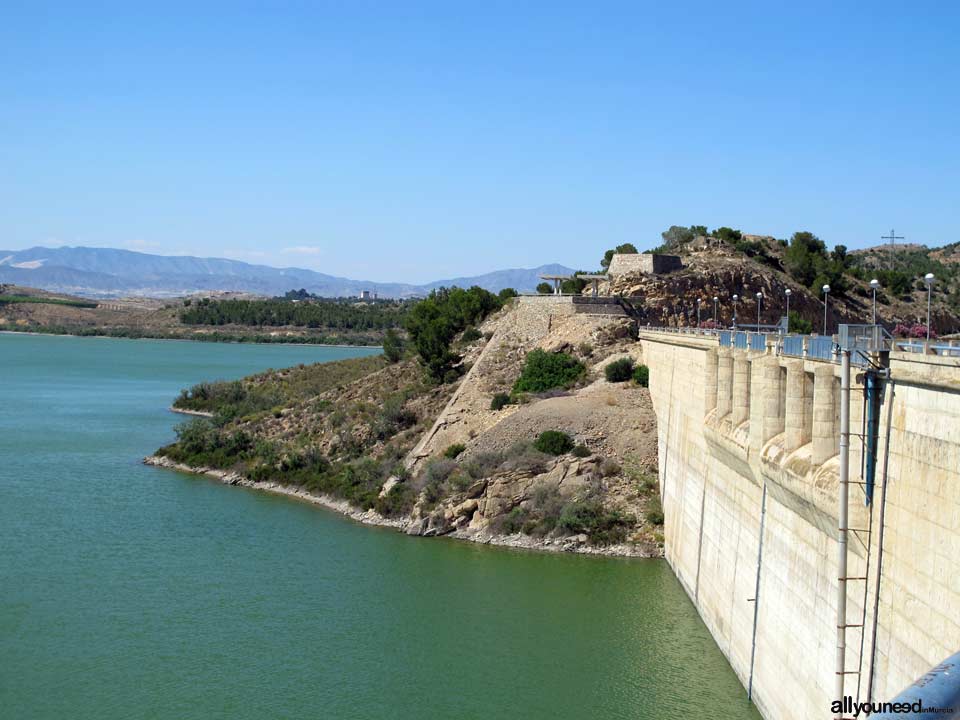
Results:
<point x="850" y="708"/>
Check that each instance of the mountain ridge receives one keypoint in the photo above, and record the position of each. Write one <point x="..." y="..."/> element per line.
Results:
<point x="111" y="272"/>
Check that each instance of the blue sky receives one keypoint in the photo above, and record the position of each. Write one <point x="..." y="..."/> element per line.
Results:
<point x="413" y="141"/>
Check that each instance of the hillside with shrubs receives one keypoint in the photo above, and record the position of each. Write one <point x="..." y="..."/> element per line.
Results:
<point x="468" y="426"/>
<point x="725" y="262"/>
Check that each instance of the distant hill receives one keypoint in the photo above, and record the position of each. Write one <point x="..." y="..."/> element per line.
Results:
<point x="108" y="272"/>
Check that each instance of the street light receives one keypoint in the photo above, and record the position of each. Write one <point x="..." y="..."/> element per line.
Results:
<point x="788" y="293"/>
<point x="715" y="301"/>
<point x="735" y="299"/>
<point x="928" y="279"/>
<point x="874" y="285"/>
<point x="826" y="299"/>
<point x="759" y="303"/>
<point x="698" y="314"/>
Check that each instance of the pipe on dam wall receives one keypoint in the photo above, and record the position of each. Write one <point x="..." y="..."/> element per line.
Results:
<point x="934" y="692"/>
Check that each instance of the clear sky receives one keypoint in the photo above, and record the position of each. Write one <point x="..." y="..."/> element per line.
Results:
<point x="414" y="141"/>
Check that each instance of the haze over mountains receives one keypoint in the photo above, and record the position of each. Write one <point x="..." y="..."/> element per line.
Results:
<point x="109" y="272"/>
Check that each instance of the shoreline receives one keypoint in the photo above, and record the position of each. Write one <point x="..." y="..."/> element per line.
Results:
<point x="194" y="413"/>
<point x="185" y="339"/>
<point x="518" y="541"/>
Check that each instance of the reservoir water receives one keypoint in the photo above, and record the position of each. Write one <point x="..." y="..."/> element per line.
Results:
<point x="132" y="592"/>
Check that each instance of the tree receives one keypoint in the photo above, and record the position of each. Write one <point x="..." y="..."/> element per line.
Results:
<point x="544" y="288"/>
<point x="434" y="322"/>
<point x="839" y="254"/>
<point x="797" y="324"/>
<point x="625" y="249"/>
<point x="506" y="294"/>
<point x="392" y="346"/>
<point x="727" y="235"/>
<point x="800" y="259"/>
<point x="698" y="230"/>
<point x="675" y="236"/>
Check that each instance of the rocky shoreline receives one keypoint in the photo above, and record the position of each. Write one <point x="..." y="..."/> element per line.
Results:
<point x="571" y="544"/>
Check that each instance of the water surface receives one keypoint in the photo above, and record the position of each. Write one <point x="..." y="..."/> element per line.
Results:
<point x="133" y="592"/>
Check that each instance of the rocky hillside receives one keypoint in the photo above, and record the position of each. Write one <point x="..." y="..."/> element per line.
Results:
<point x="572" y="467"/>
<point x="762" y="264"/>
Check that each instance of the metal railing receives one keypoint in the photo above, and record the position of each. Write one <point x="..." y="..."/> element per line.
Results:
<point x="862" y="340"/>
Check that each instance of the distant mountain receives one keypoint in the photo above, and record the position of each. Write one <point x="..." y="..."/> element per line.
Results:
<point x="108" y="272"/>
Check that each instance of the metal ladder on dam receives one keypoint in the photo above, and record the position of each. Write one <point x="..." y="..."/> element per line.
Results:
<point x="869" y="346"/>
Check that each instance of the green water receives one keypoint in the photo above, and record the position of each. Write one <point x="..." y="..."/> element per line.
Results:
<point x="133" y="592"/>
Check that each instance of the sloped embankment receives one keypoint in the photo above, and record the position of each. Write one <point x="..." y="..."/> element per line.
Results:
<point x="384" y="445"/>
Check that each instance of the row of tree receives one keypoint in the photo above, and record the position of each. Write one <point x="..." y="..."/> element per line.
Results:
<point x="326" y="314"/>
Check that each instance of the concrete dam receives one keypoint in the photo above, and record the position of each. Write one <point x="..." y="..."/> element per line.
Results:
<point x="749" y="464"/>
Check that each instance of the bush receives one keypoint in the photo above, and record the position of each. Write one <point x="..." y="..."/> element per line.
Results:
<point x="544" y="371"/>
<point x="453" y="451"/>
<point x="641" y="375"/>
<point x="399" y="501"/>
<point x="434" y="322"/>
<point x="544" y="288"/>
<point x="797" y="324"/>
<point x="581" y="451"/>
<point x="589" y="516"/>
<point x="655" y="511"/>
<point x="619" y="370"/>
<point x="392" y="346"/>
<point x="470" y="335"/>
<point x="553" y="442"/>
<point x="585" y="349"/>
<point x="609" y="468"/>
<point x="499" y="401"/>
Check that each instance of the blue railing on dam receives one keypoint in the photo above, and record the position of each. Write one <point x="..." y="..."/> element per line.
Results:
<point x="793" y="345"/>
<point x="740" y="341"/>
<point x="725" y="338"/>
<point x="937" y="692"/>
<point x="758" y="342"/>
<point x="820" y="347"/>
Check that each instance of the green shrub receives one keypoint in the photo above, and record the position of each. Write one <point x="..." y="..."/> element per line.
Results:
<point x="513" y="522"/>
<point x="641" y="375"/>
<point x="655" y="511"/>
<point x="499" y="401"/>
<point x="392" y="346"/>
<point x="553" y="442"/>
<point x="398" y="502"/>
<point x="589" y="516"/>
<point x="545" y="371"/>
<point x="453" y="451"/>
<point x="470" y="335"/>
<point x="798" y="324"/>
<point x="581" y="451"/>
<point x="619" y="370"/>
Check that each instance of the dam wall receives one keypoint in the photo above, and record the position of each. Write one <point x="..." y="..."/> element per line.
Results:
<point x="748" y="445"/>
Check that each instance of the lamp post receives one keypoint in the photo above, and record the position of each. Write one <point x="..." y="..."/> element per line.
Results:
<point x="759" y="304"/>
<point x="788" y="293"/>
<point x="715" y="301"/>
<point x="874" y="285"/>
<point x="735" y="299"/>
<point x="826" y="300"/>
<point x="928" y="279"/>
<point x="698" y="314"/>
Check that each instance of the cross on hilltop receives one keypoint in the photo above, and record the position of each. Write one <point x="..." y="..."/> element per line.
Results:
<point x="892" y="237"/>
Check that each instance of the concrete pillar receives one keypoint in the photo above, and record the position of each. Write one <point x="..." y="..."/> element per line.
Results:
<point x="826" y="442"/>
<point x="724" y="381"/>
<point x="773" y="398"/>
<point x="765" y="399"/>
<point x="797" y="401"/>
<point x="710" y="380"/>
<point x="741" y="388"/>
